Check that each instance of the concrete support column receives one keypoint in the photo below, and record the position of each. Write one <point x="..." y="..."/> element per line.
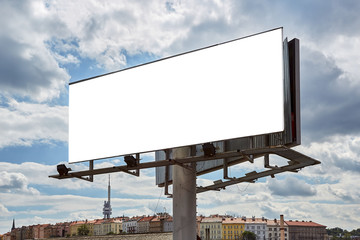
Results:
<point x="184" y="198"/>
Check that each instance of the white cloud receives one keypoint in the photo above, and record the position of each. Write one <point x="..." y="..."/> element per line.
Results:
<point x="15" y="182"/>
<point x="3" y="210"/>
<point x="23" y="123"/>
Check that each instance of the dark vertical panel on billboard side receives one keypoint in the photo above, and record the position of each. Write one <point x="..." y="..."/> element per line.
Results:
<point x="294" y="67"/>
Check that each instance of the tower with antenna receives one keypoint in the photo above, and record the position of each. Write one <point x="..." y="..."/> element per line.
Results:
<point x="107" y="211"/>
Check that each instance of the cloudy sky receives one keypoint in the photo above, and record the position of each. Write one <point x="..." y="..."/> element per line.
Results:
<point x="47" y="44"/>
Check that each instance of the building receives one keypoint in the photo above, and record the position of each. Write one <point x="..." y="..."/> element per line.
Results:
<point x="74" y="227"/>
<point x="144" y="224"/>
<point x="62" y="229"/>
<point x="168" y="224"/>
<point x="7" y="236"/>
<point x="98" y="229"/>
<point x="39" y="230"/>
<point x="156" y="224"/>
<point x="131" y="225"/>
<point x="256" y="225"/>
<point x="273" y="230"/>
<point x="50" y="231"/>
<point x="211" y="228"/>
<point x="107" y="226"/>
<point x="232" y="228"/>
<point x="299" y="230"/>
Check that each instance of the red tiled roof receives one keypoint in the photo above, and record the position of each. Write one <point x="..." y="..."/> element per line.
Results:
<point x="303" y="224"/>
<point x="156" y="219"/>
<point x="146" y="219"/>
<point x="232" y="220"/>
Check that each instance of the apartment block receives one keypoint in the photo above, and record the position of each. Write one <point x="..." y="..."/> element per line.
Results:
<point x="232" y="228"/>
<point x="256" y="225"/>
<point x="211" y="228"/>
<point x="273" y="230"/>
<point x="299" y="230"/>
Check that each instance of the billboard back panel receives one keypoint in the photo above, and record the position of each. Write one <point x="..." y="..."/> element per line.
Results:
<point x="225" y="91"/>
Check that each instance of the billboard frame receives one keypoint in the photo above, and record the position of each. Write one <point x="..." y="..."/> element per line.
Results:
<point x="81" y="119"/>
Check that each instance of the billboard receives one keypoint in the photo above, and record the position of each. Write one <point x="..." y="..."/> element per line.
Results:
<point x="225" y="91"/>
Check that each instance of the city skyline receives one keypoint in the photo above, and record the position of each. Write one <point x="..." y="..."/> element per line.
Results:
<point x="47" y="44"/>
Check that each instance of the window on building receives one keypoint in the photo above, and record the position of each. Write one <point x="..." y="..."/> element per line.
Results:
<point x="270" y="229"/>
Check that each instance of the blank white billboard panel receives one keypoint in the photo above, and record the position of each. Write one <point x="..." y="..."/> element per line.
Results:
<point x="230" y="90"/>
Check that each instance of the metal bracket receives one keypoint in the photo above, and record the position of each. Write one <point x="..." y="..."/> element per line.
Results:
<point x="167" y="169"/>
<point x="267" y="162"/>
<point x="91" y="177"/>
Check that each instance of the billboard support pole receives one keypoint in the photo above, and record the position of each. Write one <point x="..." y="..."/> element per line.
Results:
<point x="184" y="197"/>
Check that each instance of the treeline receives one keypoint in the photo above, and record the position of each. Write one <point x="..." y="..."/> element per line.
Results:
<point x="339" y="233"/>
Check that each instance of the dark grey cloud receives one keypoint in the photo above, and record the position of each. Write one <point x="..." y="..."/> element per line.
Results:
<point x="28" y="76"/>
<point x="330" y="101"/>
<point x="28" y="68"/>
<point x="343" y="194"/>
<point x="317" y="20"/>
<point x="345" y="164"/>
<point x="291" y="187"/>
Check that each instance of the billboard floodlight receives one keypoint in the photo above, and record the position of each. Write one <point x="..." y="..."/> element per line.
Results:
<point x="62" y="169"/>
<point x="209" y="149"/>
<point x="130" y="161"/>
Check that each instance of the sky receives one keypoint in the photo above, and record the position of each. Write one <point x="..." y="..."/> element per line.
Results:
<point x="45" y="45"/>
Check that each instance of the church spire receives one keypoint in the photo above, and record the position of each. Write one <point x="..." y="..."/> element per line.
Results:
<point x="13" y="225"/>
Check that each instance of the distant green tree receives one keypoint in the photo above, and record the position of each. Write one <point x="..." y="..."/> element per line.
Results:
<point x="246" y="235"/>
<point x="83" y="230"/>
<point x="335" y="231"/>
<point x="355" y="232"/>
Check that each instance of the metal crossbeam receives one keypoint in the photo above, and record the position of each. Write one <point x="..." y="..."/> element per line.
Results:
<point x="296" y="162"/>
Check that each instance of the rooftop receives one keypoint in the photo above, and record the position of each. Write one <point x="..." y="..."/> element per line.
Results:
<point x="303" y="223"/>
<point x="146" y="219"/>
